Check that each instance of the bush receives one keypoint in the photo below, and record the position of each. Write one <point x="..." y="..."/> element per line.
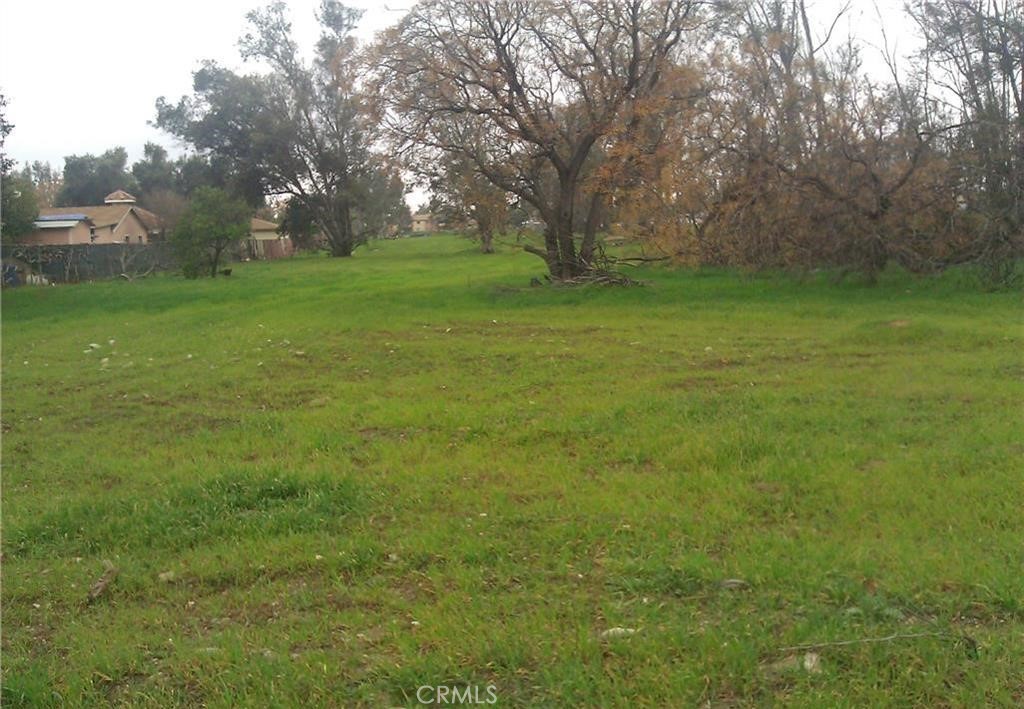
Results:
<point x="212" y="222"/>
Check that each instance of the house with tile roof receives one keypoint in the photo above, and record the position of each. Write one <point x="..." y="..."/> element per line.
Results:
<point x="117" y="221"/>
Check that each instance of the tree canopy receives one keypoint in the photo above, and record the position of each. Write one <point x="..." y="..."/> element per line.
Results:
<point x="299" y="130"/>
<point x="18" y="205"/>
<point x="90" y="178"/>
<point x="212" y="222"/>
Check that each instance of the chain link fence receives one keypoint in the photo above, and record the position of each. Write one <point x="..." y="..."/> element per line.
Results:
<point x="74" y="263"/>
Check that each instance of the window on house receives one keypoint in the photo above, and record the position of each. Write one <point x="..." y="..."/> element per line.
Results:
<point x="140" y="238"/>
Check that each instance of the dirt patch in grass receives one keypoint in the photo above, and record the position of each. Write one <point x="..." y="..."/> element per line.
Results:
<point x="374" y="433"/>
<point x="722" y="363"/>
<point x="692" y="383"/>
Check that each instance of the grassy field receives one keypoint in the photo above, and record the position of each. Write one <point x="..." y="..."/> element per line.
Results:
<point x="331" y="482"/>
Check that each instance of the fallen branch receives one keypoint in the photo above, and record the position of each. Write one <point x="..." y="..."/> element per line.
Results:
<point x="641" y="259"/>
<point x="132" y="276"/>
<point x="859" y="641"/>
<point x="596" y="277"/>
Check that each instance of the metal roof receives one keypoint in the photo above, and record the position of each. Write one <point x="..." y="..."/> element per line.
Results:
<point x="61" y="217"/>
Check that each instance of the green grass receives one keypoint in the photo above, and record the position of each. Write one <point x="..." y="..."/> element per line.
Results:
<point x="406" y="468"/>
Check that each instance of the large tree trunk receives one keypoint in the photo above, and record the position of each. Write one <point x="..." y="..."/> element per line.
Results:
<point x="487" y="240"/>
<point x="568" y="264"/>
<point x="594" y="215"/>
<point x="559" y="252"/>
<point x="559" y="247"/>
<point x="341" y="241"/>
<point x="872" y="255"/>
<point x="485" y="228"/>
<point x="337" y="226"/>
<point x="341" y="249"/>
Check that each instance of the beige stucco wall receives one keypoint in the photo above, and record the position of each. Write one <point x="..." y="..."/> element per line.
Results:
<point x="104" y="235"/>
<point x="130" y="226"/>
<point x="78" y="234"/>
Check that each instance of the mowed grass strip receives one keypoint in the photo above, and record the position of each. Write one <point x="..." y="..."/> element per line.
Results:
<point x="332" y="482"/>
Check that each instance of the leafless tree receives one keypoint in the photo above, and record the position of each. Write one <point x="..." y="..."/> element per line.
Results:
<point x="530" y="92"/>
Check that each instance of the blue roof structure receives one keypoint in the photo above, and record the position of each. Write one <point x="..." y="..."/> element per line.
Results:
<point x="61" y="217"/>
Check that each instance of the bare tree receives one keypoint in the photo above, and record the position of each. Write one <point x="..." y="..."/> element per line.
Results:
<point x="530" y="93"/>
<point x="973" y="66"/>
<point x="465" y="197"/>
<point x="789" y="157"/>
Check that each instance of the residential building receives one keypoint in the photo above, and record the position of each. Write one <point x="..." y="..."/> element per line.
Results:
<point x="265" y="242"/>
<point x="423" y="222"/>
<point x="117" y="221"/>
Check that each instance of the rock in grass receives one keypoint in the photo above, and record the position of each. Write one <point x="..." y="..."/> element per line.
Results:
<point x="166" y="577"/>
<point x="809" y="662"/>
<point x="618" y="632"/>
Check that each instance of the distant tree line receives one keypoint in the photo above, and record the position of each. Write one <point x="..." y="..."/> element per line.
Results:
<point x="739" y="133"/>
<point x="160" y="184"/>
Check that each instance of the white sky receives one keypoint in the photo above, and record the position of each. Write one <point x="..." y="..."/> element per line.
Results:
<point x="83" y="76"/>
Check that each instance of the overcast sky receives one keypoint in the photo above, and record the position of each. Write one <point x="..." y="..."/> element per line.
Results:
<point x="83" y="76"/>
